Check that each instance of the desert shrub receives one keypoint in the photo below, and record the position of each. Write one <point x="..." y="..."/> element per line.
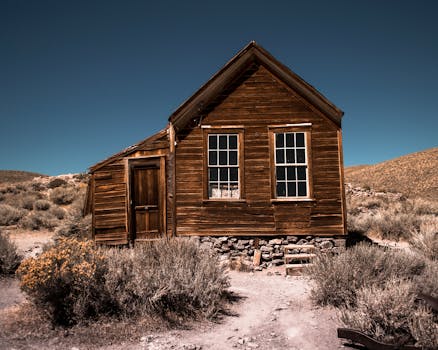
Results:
<point x="79" y="227"/>
<point x="9" y="257"/>
<point x="38" y="220"/>
<point x="335" y="284"/>
<point x="423" y="326"/>
<point x="166" y="277"/>
<point x="42" y="204"/>
<point x="66" y="281"/>
<point x="37" y="186"/>
<point x="10" y="215"/>
<point x="27" y="202"/>
<point x="425" y="240"/>
<point x="62" y="195"/>
<point x="56" y="182"/>
<point x="381" y="312"/>
<point x="57" y="212"/>
<point x="427" y="281"/>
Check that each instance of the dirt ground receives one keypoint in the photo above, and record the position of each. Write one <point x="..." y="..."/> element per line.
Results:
<point x="274" y="312"/>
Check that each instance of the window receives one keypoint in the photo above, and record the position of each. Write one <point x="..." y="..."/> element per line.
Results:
<point x="223" y="166"/>
<point x="291" y="165"/>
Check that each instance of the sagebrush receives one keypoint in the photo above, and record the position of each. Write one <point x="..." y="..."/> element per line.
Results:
<point x="74" y="281"/>
<point x="9" y="257"/>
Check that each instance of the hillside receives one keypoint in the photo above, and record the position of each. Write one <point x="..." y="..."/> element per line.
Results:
<point x="415" y="175"/>
<point x="13" y="176"/>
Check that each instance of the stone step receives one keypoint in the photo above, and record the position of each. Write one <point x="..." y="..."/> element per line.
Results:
<point x="298" y="257"/>
<point x="295" y="269"/>
<point x="299" y="246"/>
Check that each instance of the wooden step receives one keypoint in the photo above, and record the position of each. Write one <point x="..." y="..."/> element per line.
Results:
<point x="298" y="257"/>
<point x="299" y="246"/>
<point x="295" y="269"/>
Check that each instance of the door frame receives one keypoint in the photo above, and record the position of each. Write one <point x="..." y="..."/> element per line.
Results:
<point x="131" y="164"/>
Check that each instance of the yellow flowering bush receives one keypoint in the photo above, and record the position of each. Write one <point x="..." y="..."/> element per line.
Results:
<point x="66" y="281"/>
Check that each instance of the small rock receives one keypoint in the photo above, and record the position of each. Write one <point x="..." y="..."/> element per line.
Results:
<point x="275" y="241"/>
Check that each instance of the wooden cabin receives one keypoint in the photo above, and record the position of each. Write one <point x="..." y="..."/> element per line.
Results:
<point x="256" y="151"/>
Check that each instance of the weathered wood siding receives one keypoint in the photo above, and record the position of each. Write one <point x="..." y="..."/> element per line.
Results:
<point x="110" y="206"/>
<point x="259" y="100"/>
<point x="110" y="192"/>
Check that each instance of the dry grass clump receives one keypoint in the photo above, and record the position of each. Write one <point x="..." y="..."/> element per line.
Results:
<point x="62" y="195"/>
<point x="166" y="278"/>
<point x="9" y="257"/>
<point x="390" y="314"/>
<point x="425" y="240"/>
<point x="10" y="215"/>
<point x="42" y="204"/>
<point x="377" y="292"/>
<point x="75" y="282"/>
<point x="335" y="285"/>
<point x="38" y="220"/>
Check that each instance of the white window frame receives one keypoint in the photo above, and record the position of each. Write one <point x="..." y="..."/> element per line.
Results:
<point x="229" y="193"/>
<point x="285" y="164"/>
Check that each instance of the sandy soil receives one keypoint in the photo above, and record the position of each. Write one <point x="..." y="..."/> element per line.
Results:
<point x="274" y="312"/>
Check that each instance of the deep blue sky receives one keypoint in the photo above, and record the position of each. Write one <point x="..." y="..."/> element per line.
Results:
<point x="81" y="80"/>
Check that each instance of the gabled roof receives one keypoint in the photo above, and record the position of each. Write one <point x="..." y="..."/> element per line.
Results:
<point x="248" y="55"/>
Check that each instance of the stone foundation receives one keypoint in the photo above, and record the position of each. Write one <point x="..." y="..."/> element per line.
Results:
<point x="272" y="248"/>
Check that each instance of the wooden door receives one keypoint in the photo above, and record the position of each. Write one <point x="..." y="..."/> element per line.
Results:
<point x="146" y="206"/>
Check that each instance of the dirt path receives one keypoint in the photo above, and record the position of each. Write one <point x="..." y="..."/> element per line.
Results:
<point x="275" y="313"/>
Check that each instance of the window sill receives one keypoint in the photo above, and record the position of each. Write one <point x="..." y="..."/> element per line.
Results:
<point x="282" y="200"/>
<point x="224" y="200"/>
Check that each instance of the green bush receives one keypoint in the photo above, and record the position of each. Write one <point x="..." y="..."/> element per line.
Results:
<point x="66" y="281"/>
<point x="62" y="195"/>
<point x="42" y="204"/>
<point x="10" y="215"/>
<point x="9" y="257"/>
<point x="166" y="277"/>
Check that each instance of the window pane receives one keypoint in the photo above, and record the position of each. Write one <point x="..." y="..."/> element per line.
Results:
<point x="301" y="172"/>
<point x="302" y="190"/>
<point x="234" y="190"/>
<point x="233" y="158"/>
<point x="279" y="156"/>
<point x="212" y="142"/>
<point x="290" y="140"/>
<point x="233" y="141"/>
<point x="212" y="158"/>
<point x="224" y="190"/>
<point x="291" y="189"/>
<point x="300" y="139"/>
<point x="223" y="174"/>
<point x="223" y="142"/>
<point x="234" y="174"/>
<point x="213" y="174"/>
<point x="290" y="156"/>
<point x="279" y="140"/>
<point x="281" y="173"/>
<point x="281" y="189"/>
<point x="291" y="173"/>
<point x="222" y="157"/>
<point x="301" y="156"/>
<point x="213" y="191"/>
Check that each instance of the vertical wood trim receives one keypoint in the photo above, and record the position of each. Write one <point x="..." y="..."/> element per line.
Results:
<point x="241" y="150"/>
<point x="93" y="201"/>
<point x="172" y="160"/>
<point x="163" y="195"/>
<point x="341" y="181"/>
<point x="205" y="164"/>
<point x="129" y="230"/>
<point x="273" y="179"/>
<point x="309" y="162"/>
